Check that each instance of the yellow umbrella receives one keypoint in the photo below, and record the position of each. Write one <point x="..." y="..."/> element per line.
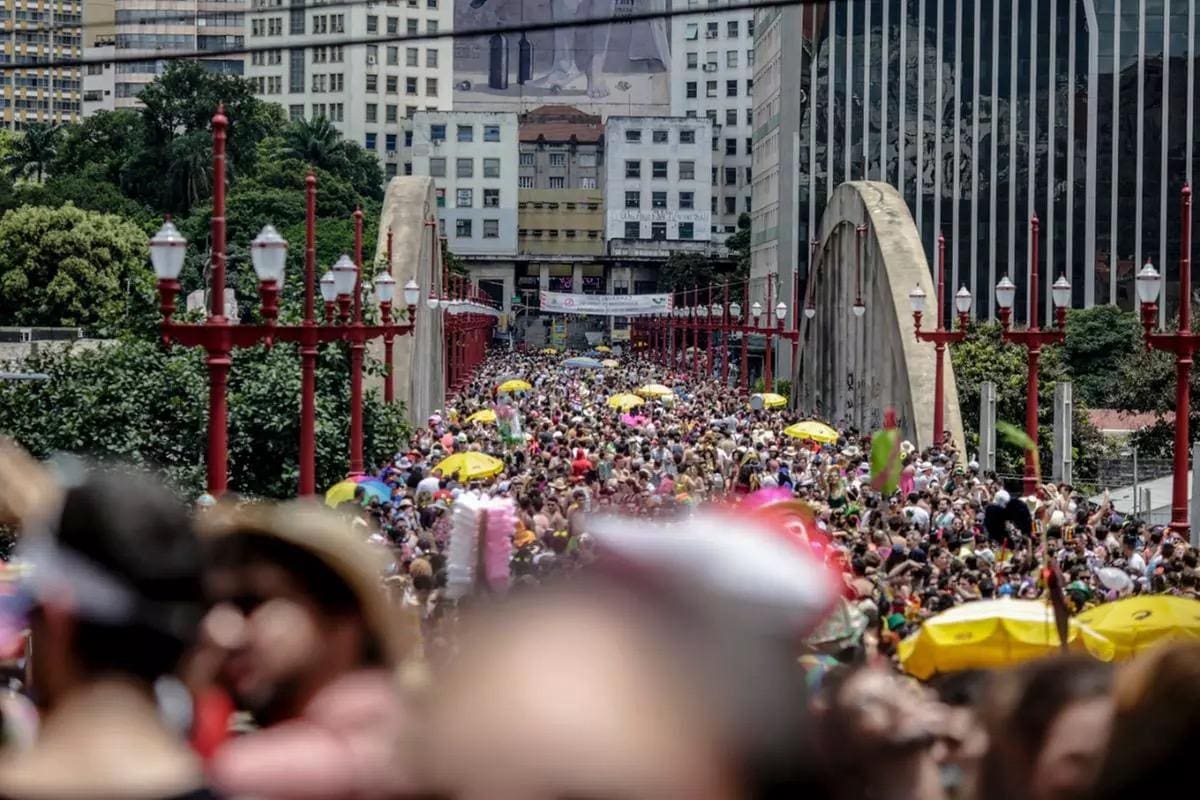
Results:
<point x="610" y="363"/>
<point x="768" y="400"/>
<point x="549" y="351"/>
<point x="603" y="348"/>
<point x="625" y="401"/>
<point x="515" y="385"/>
<point x="471" y="466"/>
<point x="653" y="390"/>
<point x="811" y="429"/>
<point x="1137" y="624"/>
<point x="486" y="416"/>
<point x="993" y="633"/>
<point x="341" y="492"/>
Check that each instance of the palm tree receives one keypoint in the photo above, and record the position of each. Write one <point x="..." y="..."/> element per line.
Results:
<point x="190" y="169"/>
<point x="315" y="141"/>
<point x="34" y="150"/>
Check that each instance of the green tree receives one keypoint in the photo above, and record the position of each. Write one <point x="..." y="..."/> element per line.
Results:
<point x="138" y="403"/>
<point x="1097" y="341"/>
<point x="102" y="145"/>
<point x="66" y="266"/>
<point x="31" y="154"/>
<point x="739" y="247"/>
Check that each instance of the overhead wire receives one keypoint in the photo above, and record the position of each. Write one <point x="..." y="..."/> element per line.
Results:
<point x="355" y="41"/>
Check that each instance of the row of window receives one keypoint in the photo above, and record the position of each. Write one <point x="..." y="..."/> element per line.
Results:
<point x="659" y="170"/>
<point x="555" y="182"/>
<point x="658" y="230"/>
<point x="464" y="167"/>
<point x="155" y="41"/>
<point x="660" y="136"/>
<point x="464" y="133"/>
<point x="412" y="85"/>
<point x="560" y="159"/>
<point x="371" y="140"/>
<point x="730" y="116"/>
<point x="465" y="198"/>
<point x="692" y="88"/>
<point x="712" y="30"/>
<point x="554" y="206"/>
<point x="392" y="24"/>
<point x="412" y="56"/>
<point x="536" y="233"/>
<point x="464" y="228"/>
<point x="710" y="59"/>
<point x="687" y="200"/>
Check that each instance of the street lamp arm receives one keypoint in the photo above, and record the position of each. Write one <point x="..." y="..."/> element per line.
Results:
<point x="1033" y="337"/>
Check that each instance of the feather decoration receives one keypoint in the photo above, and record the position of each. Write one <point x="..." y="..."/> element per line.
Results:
<point x="480" y="545"/>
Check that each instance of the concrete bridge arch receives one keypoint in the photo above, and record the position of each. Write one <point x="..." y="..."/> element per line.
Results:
<point x="852" y="368"/>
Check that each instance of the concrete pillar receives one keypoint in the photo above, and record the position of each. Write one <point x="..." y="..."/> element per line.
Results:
<point x="576" y="278"/>
<point x="543" y="277"/>
<point x="987" y="427"/>
<point x="1064" y="407"/>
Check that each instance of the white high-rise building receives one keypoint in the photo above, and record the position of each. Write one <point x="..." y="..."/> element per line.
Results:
<point x="657" y="176"/>
<point x="472" y="158"/>
<point x="712" y="65"/>
<point x="370" y="92"/>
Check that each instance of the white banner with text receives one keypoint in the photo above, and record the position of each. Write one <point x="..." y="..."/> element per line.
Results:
<point x="606" y="305"/>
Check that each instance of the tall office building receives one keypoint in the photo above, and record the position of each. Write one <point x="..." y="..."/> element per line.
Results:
<point x="983" y="114"/>
<point x="34" y="32"/>
<point x="712" y="63"/>
<point x="370" y="91"/>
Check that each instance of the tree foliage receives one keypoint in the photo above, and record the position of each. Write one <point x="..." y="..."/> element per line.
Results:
<point x="135" y="402"/>
<point x="66" y="266"/>
<point x="29" y="156"/>
<point x="1098" y="340"/>
<point x="739" y="247"/>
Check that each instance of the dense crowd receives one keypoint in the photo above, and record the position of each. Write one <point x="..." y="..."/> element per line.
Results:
<point x="650" y="634"/>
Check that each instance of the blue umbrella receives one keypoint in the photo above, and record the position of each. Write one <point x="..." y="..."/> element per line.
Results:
<point x="583" y="362"/>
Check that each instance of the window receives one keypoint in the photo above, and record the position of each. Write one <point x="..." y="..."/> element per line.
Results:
<point x="750" y="27"/>
<point x="491" y="198"/>
<point x="437" y="133"/>
<point x="731" y="59"/>
<point x="633" y="136"/>
<point x="491" y="168"/>
<point x="393" y="56"/>
<point x="411" y="27"/>
<point x="526" y="159"/>
<point x="710" y="89"/>
<point x="389" y="170"/>
<point x="749" y="86"/>
<point x="390" y="113"/>
<point x="389" y="143"/>
<point x="633" y="199"/>
<point x="372" y="112"/>
<point x="687" y="200"/>
<point x="633" y="169"/>
<point x="687" y="170"/>
<point x="393" y="25"/>
<point x="658" y="199"/>
<point x="525" y="182"/>
<point x="731" y="88"/>
<point x="390" y="84"/>
<point x="712" y="31"/>
<point x="431" y="86"/>
<point x="558" y="182"/>
<point x="369" y="141"/>
<point x="686" y="230"/>
<point x="632" y="230"/>
<point x="491" y="229"/>
<point x="714" y="204"/>
<point x="711" y="115"/>
<point x="411" y="54"/>
<point x="491" y="133"/>
<point x="372" y="24"/>
<point x="731" y="176"/>
<point x="693" y="60"/>
<point x="691" y="90"/>
<point x="747" y="203"/>
<point x="431" y="57"/>
<point x="731" y="28"/>
<point x="558" y="159"/>
<point x="687" y="136"/>
<point x="658" y="230"/>
<point x="658" y="169"/>
<point x="462" y="228"/>
<point x="372" y="83"/>
<point x="463" y="198"/>
<point x="431" y="26"/>
<point x="693" y="31"/>
<point x="587" y="183"/>
<point x="710" y="59"/>
<point x="464" y="167"/>
<point x="716" y="145"/>
<point x="730" y="205"/>
<point x="569" y="234"/>
<point x="408" y="138"/>
<point x="410" y="85"/>
<point x="659" y="137"/>
<point x="731" y="147"/>
<point x="295" y="112"/>
<point x="749" y="145"/>
<point x="466" y="133"/>
<point x="731" y="116"/>
<point x="296" y="70"/>
<point x="437" y="167"/>
<point x="750" y="58"/>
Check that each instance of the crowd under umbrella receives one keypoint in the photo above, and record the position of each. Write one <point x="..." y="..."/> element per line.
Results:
<point x="812" y="430"/>
<point x="582" y="362"/>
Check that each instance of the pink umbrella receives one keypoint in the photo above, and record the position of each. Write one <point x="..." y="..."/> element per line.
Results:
<point x="633" y="421"/>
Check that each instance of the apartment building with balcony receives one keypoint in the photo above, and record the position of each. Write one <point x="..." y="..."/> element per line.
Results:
<point x="34" y="32"/>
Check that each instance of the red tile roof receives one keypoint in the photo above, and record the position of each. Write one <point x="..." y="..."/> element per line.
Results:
<point x="558" y="123"/>
<point x="1110" y="419"/>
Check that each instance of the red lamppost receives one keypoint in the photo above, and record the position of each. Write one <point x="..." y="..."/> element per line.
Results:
<point x="694" y="323"/>
<point x="1032" y="339"/>
<point x="766" y="331"/>
<point x="744" y="370"/>
<point x="940" y="336"/>
<point x="725" y="336"/>
<point x="710" y="326"/>
<point x="1183" y="343"/>
<point x="219" y="335"/>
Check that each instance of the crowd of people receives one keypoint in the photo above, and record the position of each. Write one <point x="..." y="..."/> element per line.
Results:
<point x="652" y="638"/>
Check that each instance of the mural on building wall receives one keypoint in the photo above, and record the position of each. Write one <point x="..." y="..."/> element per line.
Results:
<point x="618" y="68"/>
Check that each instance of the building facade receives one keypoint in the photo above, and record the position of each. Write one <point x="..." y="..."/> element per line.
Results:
<point x="472" y="158"/>
<point x="658" y="172"/>
<point x="370" y="92"/>
<point x="33" y="32"/>
<point x="713" y="65"/>
<point x="984" y="114"/>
